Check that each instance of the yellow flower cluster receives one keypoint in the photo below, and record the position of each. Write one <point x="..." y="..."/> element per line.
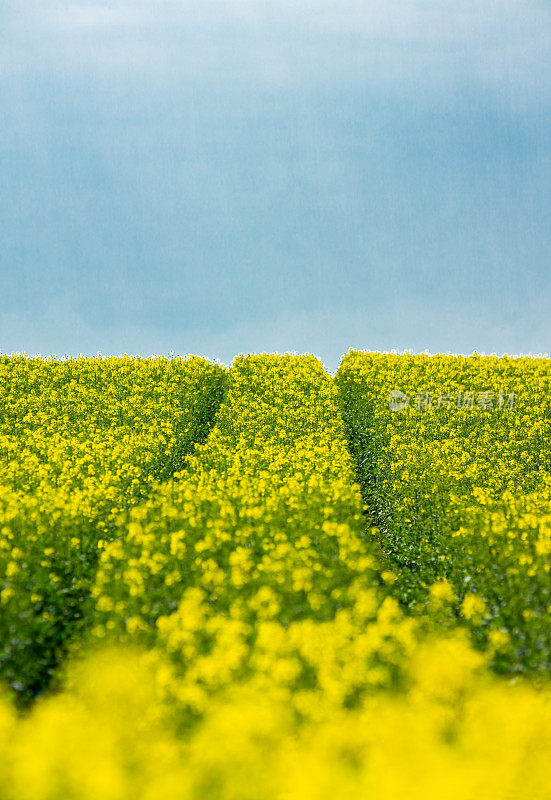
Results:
<point x="80" y="440"/>
<point x="460" y="492"/>
<point x="113" y="734"/>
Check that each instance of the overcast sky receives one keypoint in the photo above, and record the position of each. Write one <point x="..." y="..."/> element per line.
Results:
<point x="266" y="175"/>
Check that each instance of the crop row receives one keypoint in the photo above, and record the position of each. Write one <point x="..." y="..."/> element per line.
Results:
<point x="248" y="562"/>
<point x="80" y="440"/>
<point x="458" y="480"/>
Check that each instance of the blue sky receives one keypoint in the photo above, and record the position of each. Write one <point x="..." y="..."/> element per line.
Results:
<point x="264" y="175"/>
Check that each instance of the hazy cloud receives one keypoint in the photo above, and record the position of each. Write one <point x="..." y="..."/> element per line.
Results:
<point x="502" y="44"/>
<point x="84" y="17"/>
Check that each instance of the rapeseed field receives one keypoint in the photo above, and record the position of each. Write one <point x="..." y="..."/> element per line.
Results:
<point x="264" y="583"/>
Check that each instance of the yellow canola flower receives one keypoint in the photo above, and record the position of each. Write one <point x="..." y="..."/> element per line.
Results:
<point x="442" y="592"/>
<point x="473" y="606"/>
